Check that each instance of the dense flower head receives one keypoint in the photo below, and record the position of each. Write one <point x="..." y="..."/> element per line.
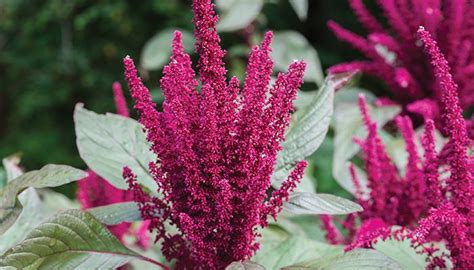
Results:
<point x="94" y="191"/>
<point x="405" y="196"/>
<point x="216" y="146"/>
<point x="396" y="56"/>
<point x="428" y="205"/>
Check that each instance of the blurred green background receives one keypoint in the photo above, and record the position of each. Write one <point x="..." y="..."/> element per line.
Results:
<point x="55" y="53"/>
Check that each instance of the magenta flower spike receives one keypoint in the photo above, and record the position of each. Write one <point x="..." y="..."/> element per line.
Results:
<point x="434" y="192"/>
<point x="455" y="216"/>
<point x="429" y="205"/>
<point x="452" y="226"/>
<point x="460" y="182"/>
<point x="383" y="178"/>
<point x="333" y="235"/>
<point x="119" y="98"/>
<point x="409" y="75"/>
<point x="216" y="146"/>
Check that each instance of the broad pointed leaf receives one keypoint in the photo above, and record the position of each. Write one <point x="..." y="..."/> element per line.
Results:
<point x="301" y="8"/>
<point x="279" y="248"/>
<point x="237" y="14"/>
<point x="290" y="45"/>
<point x="359" y="259"/>
<point x="308" y="128"/>
<point x="157" y="50"/>
<point x="306" y="203"/>
<point x="402" y="252"/>
<point x="48" y="176"/>
<point x="32" y="214"/>
<point x="246" y="265"/>
<point x="107" y="143"/>
<point x="116" y="213"/>
<point x="71" y="240"/>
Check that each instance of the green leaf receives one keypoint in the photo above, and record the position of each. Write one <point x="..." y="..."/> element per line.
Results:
<point x="304" y="225"/>
<point x="395" y="147"/>
<point x="237" y="14"/>
<point x="48" y="176"/>
<point x="304" y="98"/>
<point x="305" y="203"/>
<point x="402" y="252"/>
<point x="153" y="252"/>
<point x="290" y="45"/>
<point x="347" y="125"/>
<point x="157" y="50"/>
<point x="308" y="128"/>
<point x="359" y="259"/>
<point x="246" y="265"/>
<point x="33" y="213"/>
<point x="56" y="201"/>
<point x="71" y="240"/>
<point x="107" y="143"/>
<point x="116" y="213"/>
<point x="308" y="182"/>
<point x="301" y="8"/>
<point x="279" y="248"/>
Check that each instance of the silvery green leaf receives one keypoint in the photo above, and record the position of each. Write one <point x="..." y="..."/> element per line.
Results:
<point x="308" y="128"/>
<point x="107" y="143"/>
<point x="304" y="98"/>
<point x="402" y="252"/>
<point x="70" y="240"/>
<point x="358" y="259"/>
<point x="395" y="147"/>
<point x="157" y="50"/>
<point x="287" y="46"/>
<point x="237" y="14"/>
<point x="245" y="265"/>
<point x="48" y="176"/>
<point x="32" y="214"/>
<point x="308" y="182"/>
<point x="116" y="213"/>
<point x="153" y="252"/>
<point x="278" y="248"/>
<point x="305" y="203"/>
<point x="57" y="201"/>
<point x="301" y="8"/>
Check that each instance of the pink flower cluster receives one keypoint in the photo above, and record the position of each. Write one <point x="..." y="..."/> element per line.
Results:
<point x="216" y="146"/>
<point x="434" y="206"/>
<point x="409" y="74"/>
<point x="94" y="191"/>
<point x="405" y="196"/>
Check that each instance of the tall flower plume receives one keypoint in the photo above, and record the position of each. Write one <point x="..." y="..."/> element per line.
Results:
<point x="455" y="215"/>
<point x="424" y="201"/>
<point x="94" y="191"/>
<point x="216" y="146"/>
<point x="406" y="195"/>
<point x="409" y="75"/>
